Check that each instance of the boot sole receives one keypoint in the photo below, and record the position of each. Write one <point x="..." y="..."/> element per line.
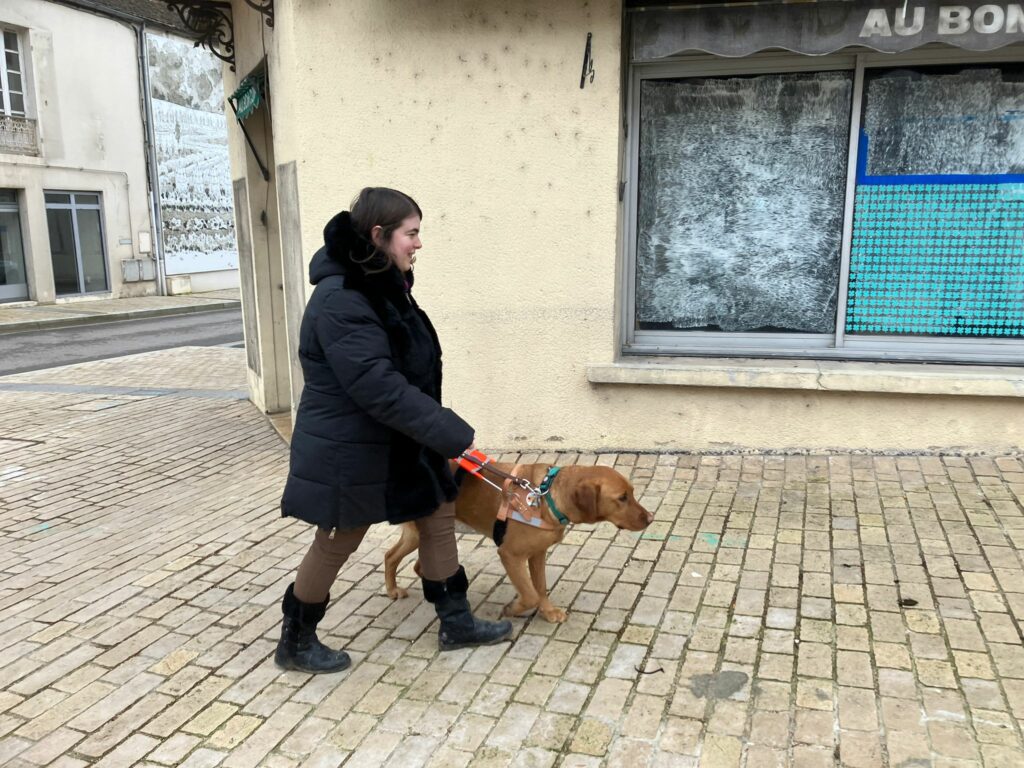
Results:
<point x="292" y="667"/>
<point x="460" y="646"/>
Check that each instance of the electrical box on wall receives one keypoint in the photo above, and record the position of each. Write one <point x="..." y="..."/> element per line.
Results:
<point x="145" y="242"/>
<point x="138" y="270"/>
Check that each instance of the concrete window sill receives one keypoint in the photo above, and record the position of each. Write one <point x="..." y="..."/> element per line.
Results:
<point x="818" y="375"/>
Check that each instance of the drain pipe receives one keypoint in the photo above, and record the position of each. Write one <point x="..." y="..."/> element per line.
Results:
<point x="151" y="167"/>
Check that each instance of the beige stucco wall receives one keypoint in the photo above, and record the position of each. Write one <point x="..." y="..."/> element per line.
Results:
<point x="475" y="109"/>
<point x="84" y="92"/>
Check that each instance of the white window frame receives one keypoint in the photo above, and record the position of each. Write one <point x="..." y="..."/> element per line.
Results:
<point x="5" y="90"/>
<point x="834" y="346"/>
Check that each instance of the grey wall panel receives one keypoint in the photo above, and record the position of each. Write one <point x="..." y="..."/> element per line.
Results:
<point x="243" y="234"/>
<point x="293" y="267"/>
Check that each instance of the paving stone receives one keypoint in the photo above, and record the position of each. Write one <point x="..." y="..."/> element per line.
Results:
<point x="721" y="751"/>
<point x="908" y="749"/>
<point x="172" y="750"/>
<point x="206" y="758"/>
<point x="234" y="732"/>
<point x="592" y="737"/>
<point x="813" y="757"/>
<point x="860" y="750"/>
<point x="130" y="751"/>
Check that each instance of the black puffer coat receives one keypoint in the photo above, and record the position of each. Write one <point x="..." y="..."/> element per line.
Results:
<point x="370" y="436"/>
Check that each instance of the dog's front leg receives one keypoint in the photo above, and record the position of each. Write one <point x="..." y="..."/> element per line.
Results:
<point x="540" y="583"/>
<point x="516" y="568"/>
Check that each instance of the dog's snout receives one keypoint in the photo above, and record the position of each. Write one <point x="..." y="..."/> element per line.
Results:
<point x="646" y="518"/>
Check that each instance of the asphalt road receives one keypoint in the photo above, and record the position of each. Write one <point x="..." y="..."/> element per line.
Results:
<point x="35" y="350"/>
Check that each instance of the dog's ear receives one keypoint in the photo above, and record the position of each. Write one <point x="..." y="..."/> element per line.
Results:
<point x="586" y="497"/>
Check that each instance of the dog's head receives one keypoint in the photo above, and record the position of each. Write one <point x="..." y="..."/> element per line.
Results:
<point x="601" y="493"/>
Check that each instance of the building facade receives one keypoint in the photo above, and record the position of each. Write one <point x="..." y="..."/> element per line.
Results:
<point x="83" y="192"/>
<point x="73" y="166"/>
<point x="770" y="226"/>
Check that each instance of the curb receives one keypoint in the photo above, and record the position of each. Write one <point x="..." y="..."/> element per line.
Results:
<point x="110" y="317"/>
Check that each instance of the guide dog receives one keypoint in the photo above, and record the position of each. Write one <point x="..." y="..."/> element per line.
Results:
<point x="581" y="494"/>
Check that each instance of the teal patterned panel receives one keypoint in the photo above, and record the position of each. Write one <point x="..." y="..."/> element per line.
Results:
<point x="937" y="259"/>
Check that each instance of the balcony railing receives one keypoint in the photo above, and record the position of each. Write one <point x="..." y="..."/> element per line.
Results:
<point x="18" y="136"/>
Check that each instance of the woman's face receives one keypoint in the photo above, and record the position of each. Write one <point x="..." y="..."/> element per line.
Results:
<point x="404" y="243"/>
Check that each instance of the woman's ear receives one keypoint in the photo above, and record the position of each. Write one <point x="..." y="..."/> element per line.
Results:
<point x="377" y="236"/>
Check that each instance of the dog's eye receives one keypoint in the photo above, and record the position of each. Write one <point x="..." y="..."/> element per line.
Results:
<point x="624" y="497"/>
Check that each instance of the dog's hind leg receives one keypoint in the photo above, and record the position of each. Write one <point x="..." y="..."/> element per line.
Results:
<point x="540" y="583"/>
<point x="407" y="542"/>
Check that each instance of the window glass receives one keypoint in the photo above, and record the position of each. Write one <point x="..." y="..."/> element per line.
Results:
<point x="94" y="263"/>
<point x="84" y="199"/>
<point x="62" y="251"/>
<point x="58" y="197"/>
<point x="8" y="196"/>
<point x="12" y="253"/>
<point x="741" y="196"/>
<point x="944" y="121"/>
<point x="10" y="40"/>
<point x="938" y="238"/>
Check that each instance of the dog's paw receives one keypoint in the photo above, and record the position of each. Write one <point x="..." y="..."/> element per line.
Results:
<point x="554" y="615"/>
<point x="398" y="593"/>
<point x="516" y="608"/>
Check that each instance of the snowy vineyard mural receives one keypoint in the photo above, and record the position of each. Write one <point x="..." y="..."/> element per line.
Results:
<point x="192" y="157"/>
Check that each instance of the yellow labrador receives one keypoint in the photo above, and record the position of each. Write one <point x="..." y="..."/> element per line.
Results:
<point x="581" y="494"/>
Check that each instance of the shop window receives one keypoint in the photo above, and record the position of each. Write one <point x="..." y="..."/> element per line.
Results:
<point x="842" y="209"/>
<point x="938" y="235"/>
<point x="76" y="242"/>
<point x="12" y="84"/>
<point x="740" y="202"/>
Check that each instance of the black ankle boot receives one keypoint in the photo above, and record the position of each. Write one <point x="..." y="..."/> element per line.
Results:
<point x="299" y="647"/>
<point x="459" y="627"/>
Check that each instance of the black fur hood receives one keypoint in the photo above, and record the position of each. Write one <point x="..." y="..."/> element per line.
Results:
<point x="347" y="252"/>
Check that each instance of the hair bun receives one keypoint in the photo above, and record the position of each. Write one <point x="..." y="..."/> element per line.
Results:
<point x="346" y="245"/>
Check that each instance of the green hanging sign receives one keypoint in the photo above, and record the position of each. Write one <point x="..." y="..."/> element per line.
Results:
<point x="248" y="96"/>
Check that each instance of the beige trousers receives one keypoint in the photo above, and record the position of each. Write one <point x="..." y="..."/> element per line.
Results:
<point x="439" y="555"/>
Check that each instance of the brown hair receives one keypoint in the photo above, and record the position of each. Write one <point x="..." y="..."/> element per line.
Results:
<point x="384" y="208"/>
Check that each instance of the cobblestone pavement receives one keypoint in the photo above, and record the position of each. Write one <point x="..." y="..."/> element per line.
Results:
<point x="782" y="610"/>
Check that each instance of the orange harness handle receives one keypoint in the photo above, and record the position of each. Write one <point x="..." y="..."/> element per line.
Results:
<point x="473" y="461"/>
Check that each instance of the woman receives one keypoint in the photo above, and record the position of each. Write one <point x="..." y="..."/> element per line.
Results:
<point x="371" y="438"/>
